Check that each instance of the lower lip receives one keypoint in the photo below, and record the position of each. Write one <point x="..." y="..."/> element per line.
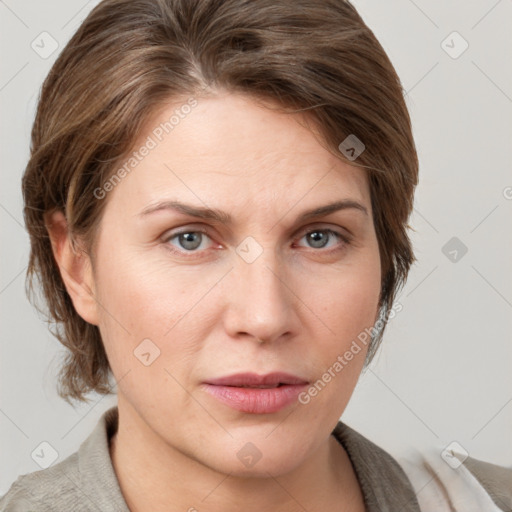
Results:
<point x="256" y="400"/>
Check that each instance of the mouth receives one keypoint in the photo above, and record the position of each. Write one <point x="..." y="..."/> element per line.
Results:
<point x="253" y="380"/>
<point x="256" y="394"/>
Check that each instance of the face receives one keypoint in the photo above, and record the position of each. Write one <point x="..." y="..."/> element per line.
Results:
<point x="186" y="300"/>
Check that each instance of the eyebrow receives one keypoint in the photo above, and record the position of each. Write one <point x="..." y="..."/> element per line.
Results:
<point x="225" y="218"/>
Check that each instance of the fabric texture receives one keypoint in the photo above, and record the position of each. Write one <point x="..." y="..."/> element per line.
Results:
<point x="86" y="480"/>
<point x="466" y="484"/>
<point x="385" y="486"/>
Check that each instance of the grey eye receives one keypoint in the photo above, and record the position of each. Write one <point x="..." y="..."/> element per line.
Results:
<point x="318" y="238"/>
<point x="190" y="240"/>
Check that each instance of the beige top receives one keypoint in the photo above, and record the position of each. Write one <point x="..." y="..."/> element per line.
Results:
<point x="86" y="480"/>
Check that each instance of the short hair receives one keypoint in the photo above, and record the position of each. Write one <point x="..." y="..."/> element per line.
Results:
<point x="130" y="57"/>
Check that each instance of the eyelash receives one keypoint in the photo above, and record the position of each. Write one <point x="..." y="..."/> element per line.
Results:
<point x="189" y="254"/>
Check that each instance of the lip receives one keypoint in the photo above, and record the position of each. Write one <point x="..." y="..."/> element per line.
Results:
<point x="253" y="379"/>
<point x="281" y="390"/>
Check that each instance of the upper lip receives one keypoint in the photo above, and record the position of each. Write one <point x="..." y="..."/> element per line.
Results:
<point x="253" y="379"/>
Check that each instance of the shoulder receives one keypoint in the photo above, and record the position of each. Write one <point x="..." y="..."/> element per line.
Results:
<point x="84" y="481"/>
<point x="367" y="455"/>
<point x="377" y="472"/>
<point x="39" y="490"/>
<point x="496" y="480"/>
<point x="458" y="483"/>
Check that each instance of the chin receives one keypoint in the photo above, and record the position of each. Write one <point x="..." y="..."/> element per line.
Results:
<point x="257" y="459"/>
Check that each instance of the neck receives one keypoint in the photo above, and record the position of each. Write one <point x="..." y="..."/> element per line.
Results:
<point x="155" y="477"/>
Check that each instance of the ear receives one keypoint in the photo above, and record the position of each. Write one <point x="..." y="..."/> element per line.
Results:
<point x="75" y="267"/>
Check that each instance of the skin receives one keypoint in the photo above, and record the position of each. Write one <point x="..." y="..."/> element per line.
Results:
<point x="205" y="309"/>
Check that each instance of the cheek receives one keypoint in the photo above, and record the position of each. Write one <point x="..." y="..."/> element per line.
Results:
<point x="346" y="306"/>
<point x="138" y="293"/>
<point x="347" y="302"/>
<point x="146" y="326"/>
<point x="145" y="298"/>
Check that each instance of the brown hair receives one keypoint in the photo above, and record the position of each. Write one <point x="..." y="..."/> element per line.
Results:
<point x="129" y="57"/>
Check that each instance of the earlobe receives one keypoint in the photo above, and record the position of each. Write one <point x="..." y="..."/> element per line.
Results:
<point x="74" y="266"/>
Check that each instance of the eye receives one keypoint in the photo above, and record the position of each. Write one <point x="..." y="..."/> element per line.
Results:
<point x="188" y="241"/>
<point x="320" y="238"/>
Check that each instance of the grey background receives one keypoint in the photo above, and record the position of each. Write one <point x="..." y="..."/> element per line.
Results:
<point x="443" y="373"/>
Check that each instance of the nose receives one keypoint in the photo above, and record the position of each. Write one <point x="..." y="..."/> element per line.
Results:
<point x="259" y="300"/>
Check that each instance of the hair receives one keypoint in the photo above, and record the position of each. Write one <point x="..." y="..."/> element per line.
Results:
<point x="131" y="57"/>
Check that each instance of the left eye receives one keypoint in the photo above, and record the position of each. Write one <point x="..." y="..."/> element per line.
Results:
<point x="320" y="237"/>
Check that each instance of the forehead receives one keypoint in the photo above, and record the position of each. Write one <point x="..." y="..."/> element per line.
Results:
<point x="231" y="149"/>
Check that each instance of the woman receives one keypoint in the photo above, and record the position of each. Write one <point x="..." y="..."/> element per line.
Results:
<point x="217" y="199"/>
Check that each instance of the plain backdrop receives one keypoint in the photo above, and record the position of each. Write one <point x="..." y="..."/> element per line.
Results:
<point x="443" y="373"/>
